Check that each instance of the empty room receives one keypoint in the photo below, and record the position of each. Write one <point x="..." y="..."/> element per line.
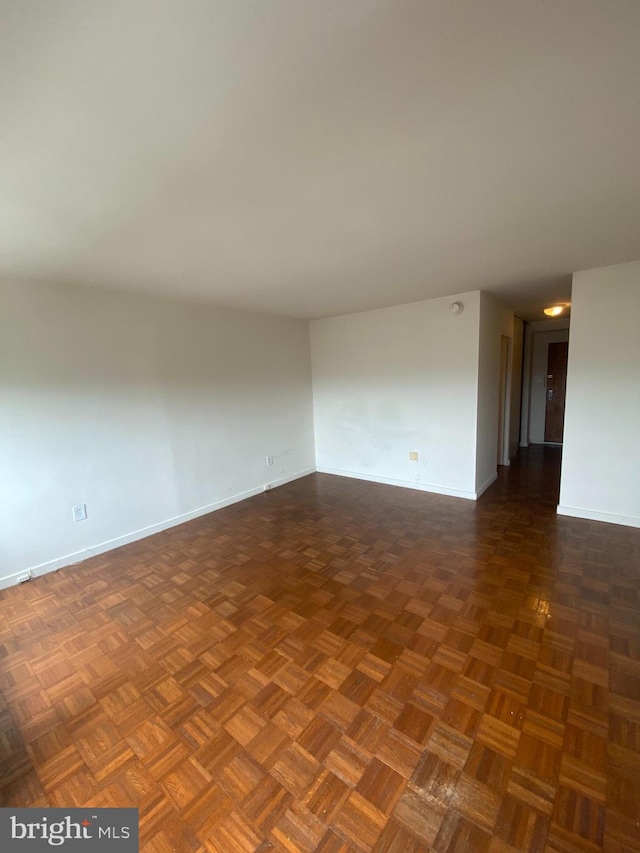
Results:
<point x="319" y="419"/>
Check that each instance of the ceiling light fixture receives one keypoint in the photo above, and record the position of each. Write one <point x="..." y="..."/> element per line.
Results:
<point x="554" y="310"/>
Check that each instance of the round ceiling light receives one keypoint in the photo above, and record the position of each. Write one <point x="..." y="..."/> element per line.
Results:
<point x="555" y="310"/>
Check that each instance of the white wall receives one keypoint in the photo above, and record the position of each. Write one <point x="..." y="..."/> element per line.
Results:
<point x="148" y="411"/>
<point x="601" y="457"/>
<point x="496" y="320"/>
<point x="396" y="380"/>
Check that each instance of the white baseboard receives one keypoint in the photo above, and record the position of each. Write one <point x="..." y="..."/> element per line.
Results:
<point x="135" y="535"/>
<point x="593" y="515"/>
<point x="289" y="479"/>
<point x="483" y="488"/>
<point x="406" y="484"/>
<point x="13" y="580"/>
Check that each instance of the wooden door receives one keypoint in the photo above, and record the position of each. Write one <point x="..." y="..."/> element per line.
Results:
<point x="556" y="390"/>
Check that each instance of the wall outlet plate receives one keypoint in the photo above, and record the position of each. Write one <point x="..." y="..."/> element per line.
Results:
<point x="269" y="459"/>
<point x="80" y="512"/>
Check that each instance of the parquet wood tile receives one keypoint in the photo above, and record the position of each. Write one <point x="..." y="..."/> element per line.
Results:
<point x="343" y="667"/>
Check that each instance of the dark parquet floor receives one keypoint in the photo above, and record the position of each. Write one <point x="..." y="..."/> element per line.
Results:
<point x="341" y="666"/>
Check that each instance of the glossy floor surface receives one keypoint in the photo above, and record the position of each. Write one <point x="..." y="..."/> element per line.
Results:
<point x="341" y="666"/>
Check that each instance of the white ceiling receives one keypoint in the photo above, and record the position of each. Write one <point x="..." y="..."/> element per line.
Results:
<point x="316" y="157"/>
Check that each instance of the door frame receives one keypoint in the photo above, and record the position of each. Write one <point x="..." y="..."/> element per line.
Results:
<point x="549" y="376"/>
<point x="534" y="376"/>
<point x="504" y="400"/>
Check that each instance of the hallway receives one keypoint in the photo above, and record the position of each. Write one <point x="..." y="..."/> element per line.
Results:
<point x="341" y="666"/>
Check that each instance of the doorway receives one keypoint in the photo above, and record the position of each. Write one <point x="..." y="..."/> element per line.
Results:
<point x="503" y="401"/>
<point x="538" y="338"/>
<point x="556" y="387"/>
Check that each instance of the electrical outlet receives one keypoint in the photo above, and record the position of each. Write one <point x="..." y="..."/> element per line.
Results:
<point x="413" y="455"/>
<point x="267" y="487"/>
<point x="24" y="578"/>
<point x="80" y="512"/>
<point x="269" y="459"/>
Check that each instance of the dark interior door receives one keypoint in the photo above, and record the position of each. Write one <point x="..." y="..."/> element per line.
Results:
<point x="556" y="390"/>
